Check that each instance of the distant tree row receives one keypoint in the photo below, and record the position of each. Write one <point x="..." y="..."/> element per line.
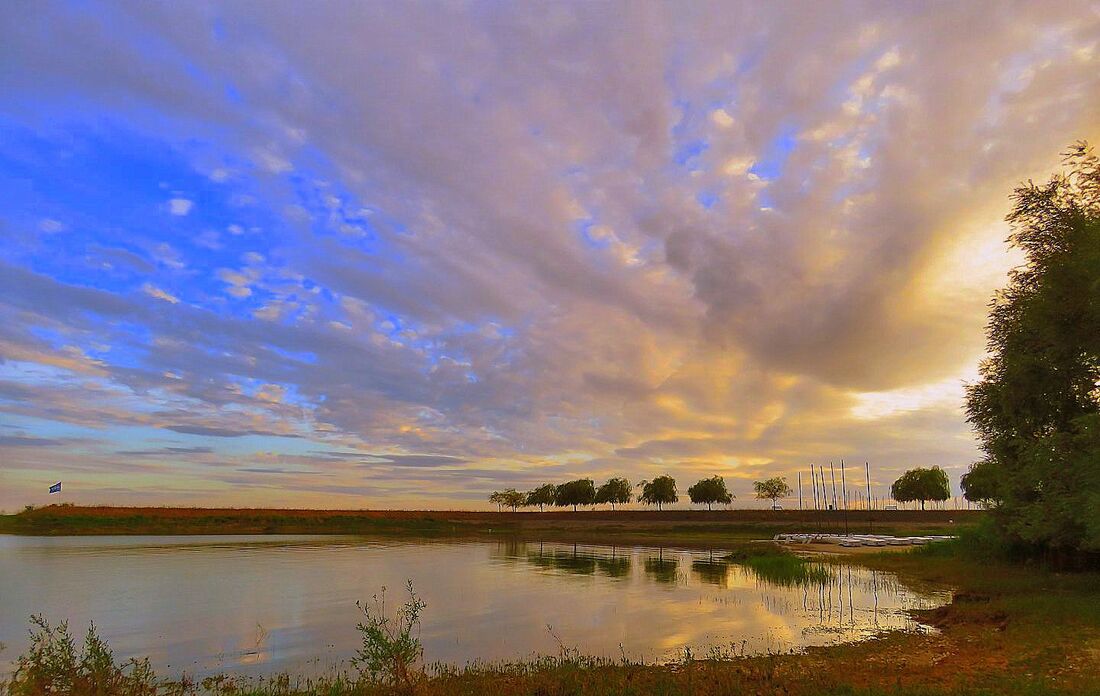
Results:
<point x="918" y="485"/>
<point x="659" y="491"/>
<point x="570" y="494"/>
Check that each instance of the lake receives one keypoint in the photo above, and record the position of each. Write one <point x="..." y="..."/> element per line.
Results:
<point x="266" y="604"/>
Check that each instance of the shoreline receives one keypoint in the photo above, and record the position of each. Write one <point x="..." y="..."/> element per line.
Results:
<point x="687" y="528"/>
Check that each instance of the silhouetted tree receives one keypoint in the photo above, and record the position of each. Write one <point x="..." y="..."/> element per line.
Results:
<point x="579" y="492"/>
<point x="772" y="489"/>
<point x="515" y="499"/>
<point x="921" y="484"/>
<point x="1036" y="408"/>
<point x="660" y="491"/>
<point x="616" y="491"/>
<point x="709" y="491"/>
<point x="541" y="496"/>
<point x="980" y="484"/>
<point x="509" y="497"/>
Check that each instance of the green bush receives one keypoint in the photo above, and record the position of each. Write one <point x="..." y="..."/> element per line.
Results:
<point x="52" y="665"/>
<point x="980" y="542"/>
<point x="391" y="650"/>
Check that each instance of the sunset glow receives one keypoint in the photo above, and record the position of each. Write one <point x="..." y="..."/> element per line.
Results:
<point x="400" y="255"/>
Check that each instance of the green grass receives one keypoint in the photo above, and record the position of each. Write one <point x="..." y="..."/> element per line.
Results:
<point x="787" y="570"/>
<point x="77" y="524"/>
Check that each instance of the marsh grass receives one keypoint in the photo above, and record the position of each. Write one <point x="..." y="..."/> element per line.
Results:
<point x="775" y="566"/>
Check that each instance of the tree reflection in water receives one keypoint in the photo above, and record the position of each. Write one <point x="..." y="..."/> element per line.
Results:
<point x="835" y="596"/>
<point x="661" y="569"/>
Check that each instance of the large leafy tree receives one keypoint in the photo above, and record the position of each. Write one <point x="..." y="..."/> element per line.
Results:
<point x="541" y="496"/>
<point x="1036" y="408"/>
<point x="579" y="492"/>
<point x="772" y="489"/>
<point x="709" y="491"/>
<point x="979" y="485"/>
<point x="923" y="485"/>
<point x="660" y="491"/>
<point x="616" y="491"/>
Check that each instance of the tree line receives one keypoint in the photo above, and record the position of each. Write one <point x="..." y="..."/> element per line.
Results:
<point x="659" y="491"/>
<point x="915" y="485"/>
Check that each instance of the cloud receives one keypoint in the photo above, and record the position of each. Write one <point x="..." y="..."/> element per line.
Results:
<point x="419" y="460"/>
<point x="24" y="441"/>
<point x="208" y="431"/>
<point x="456" y="247"/>
<point x="51" y="226"/>
<point x="180" y="206"/>
<point x="165" y="451"/>
<point x="121" y="259"/>
<point x="155" y="292"/>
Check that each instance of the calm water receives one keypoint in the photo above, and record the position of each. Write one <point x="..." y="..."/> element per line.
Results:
<point x="262" y="604"/>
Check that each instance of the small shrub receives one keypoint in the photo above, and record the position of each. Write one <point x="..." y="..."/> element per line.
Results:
<point x="391" y="650"/>
<point x="52" y="665"/>
<point x="49" y="664"/>
<point x="981" y="542"/>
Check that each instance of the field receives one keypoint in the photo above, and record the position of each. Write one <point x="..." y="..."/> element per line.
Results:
<point x="698" y="528"/>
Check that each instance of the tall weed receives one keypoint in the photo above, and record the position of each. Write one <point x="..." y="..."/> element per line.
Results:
<point x="52" y="665"/>
<point x="391" y="651"/>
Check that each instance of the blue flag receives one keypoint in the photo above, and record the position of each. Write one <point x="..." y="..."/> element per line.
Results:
<point x="56" y="488"/>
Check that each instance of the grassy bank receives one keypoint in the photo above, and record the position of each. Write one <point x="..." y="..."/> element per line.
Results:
<point x="717" y="529"/>
<point x="1012" y="629"/>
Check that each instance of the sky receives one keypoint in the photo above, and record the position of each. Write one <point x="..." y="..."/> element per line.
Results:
<point x="387" y="255"/>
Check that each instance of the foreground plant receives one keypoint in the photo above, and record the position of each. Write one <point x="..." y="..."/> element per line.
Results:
<point x="52" y="665"/>
<point x="391" y="652"/>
